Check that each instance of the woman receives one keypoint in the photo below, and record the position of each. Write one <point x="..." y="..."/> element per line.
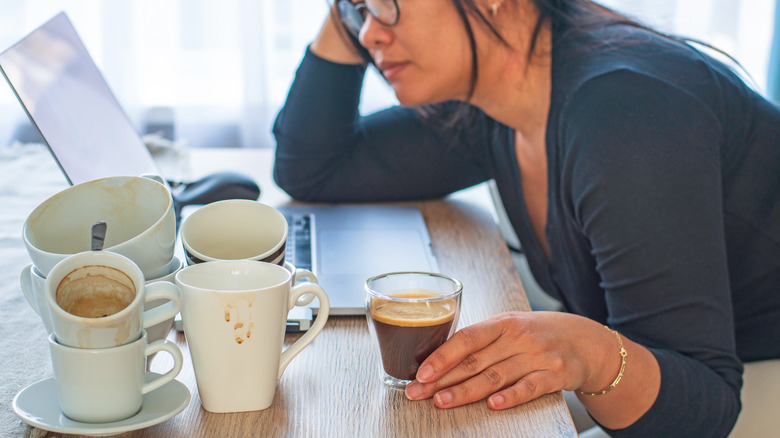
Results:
<point x="641" y="176"/>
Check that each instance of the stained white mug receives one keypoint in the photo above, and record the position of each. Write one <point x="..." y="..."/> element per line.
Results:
<point x="107" y="384"/>
<point x="83" y="286"/>
<point x="138" y="212"/>
<point x="234" y="315"/>
<point x="33" y="287"/>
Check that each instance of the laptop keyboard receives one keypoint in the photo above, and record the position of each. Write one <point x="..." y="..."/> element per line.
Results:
<point x="299" y="240"/>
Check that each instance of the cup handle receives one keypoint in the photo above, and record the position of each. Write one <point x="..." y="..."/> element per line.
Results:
<point x="154" y="177"/>
<point x="27" y="288"/>
<point x="161" y="290"/>
<point x="304" y="273"/>
<point x="319" y="323"/>
<point x="173" y="350"/>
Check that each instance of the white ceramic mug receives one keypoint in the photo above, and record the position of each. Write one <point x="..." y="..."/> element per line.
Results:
<point x="138" y="213"/>
<point x="33" y="282"/>
<point x="234" y="316"/>
<point x="107" y="384"/>
<point x="234" y="229"/>
<point x="84" y="285"/>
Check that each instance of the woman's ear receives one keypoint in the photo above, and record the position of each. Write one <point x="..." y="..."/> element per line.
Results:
<point x="492" y="7"/>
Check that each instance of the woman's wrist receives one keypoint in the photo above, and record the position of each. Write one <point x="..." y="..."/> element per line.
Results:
<point x="333" y="44"/>
<point x="605" y="361"/>
<point x="621" y="372"/>
<point x="633" y="393"/>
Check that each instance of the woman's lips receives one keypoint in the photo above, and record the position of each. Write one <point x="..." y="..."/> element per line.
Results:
<point x="391" y="69"/>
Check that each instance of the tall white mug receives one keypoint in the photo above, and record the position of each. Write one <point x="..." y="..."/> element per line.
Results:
<point x="234" y="315"/>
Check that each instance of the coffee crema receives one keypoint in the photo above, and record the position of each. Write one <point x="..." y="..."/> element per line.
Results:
<point x="95" y="291"/>
<point x="408" y="332"/>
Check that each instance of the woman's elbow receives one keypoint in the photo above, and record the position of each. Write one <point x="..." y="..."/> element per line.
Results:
<point x="294" y="183"/>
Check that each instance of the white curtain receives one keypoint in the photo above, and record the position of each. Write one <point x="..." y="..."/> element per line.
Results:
<point x="218" y="70"/>
<point x="741" y="28"/>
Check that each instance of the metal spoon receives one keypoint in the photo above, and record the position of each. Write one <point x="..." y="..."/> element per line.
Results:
<point x="98" y="235"/>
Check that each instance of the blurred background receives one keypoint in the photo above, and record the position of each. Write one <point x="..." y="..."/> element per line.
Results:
<point x="213" y="73"/>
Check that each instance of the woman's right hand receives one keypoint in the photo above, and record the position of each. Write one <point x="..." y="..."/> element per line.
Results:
<point x="333" y="43"/>
<point x="516" y="357"/>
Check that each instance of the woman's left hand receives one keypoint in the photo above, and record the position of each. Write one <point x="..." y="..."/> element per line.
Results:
<point x="512" y="357"/>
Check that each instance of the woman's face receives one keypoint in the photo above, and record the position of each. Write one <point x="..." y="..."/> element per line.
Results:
<point x="426" y="56"/>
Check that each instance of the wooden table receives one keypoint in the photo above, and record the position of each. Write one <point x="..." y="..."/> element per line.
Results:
<point x="332" y="388"/>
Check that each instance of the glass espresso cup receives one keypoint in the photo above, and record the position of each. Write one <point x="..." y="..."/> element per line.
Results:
<point x="410" y="314"/>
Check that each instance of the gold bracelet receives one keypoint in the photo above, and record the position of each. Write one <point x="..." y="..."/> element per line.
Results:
<point x="623" y="355"/>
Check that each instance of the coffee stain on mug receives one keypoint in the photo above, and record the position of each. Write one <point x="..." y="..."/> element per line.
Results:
<point x="238" y="313"/>
<point x="84" y="336"/>
<point x="125" y="331"/>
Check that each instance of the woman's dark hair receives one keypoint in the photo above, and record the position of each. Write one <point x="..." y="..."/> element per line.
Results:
<point x="565" y="16"/>
<point x="567" y="19"/>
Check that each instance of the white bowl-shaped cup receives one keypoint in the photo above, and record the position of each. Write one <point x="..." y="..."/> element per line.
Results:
<point x="234" y="229"/>
<point x="240" y="230"/>
<point x="138" y="213"/>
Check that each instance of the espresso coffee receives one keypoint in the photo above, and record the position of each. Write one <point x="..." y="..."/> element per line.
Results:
<point x="408" y="332"/>
<point x="95" y="291"/>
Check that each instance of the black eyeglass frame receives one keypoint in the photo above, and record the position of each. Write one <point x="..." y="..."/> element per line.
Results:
<point x="353" y="15"/>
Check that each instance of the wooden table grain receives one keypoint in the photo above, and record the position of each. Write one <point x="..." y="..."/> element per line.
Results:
<point x="332" y="389"/>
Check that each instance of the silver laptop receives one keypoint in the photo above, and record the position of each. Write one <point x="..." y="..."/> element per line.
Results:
<point x="350" y="243"/>
<point x="69" y="102"/>
<point x="90" y="136"/>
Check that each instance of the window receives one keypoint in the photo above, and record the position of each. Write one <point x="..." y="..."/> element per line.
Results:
<point x="218" y="71"/>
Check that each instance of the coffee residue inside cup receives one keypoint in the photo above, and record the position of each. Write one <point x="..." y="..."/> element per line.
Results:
<point x="95" y="291"/>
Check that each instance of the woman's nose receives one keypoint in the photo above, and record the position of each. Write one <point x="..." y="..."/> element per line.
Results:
<point x="373" y="33"/>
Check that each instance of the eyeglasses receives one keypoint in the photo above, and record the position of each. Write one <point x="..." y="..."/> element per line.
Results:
<point x="353" y="15"/>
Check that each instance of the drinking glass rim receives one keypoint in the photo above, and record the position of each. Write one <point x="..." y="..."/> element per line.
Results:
<point x="458" y="290"/>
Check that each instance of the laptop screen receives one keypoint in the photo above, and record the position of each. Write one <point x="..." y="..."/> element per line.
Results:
<point x="71" y="105"/>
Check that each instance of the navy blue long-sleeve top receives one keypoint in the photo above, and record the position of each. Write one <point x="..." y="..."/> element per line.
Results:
<point x="664" y="199"/>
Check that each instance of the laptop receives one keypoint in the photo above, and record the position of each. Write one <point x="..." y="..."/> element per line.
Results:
<point x="90" y="136"/>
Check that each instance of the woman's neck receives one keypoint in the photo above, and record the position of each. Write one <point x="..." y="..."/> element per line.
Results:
<point x="513" y="87"/>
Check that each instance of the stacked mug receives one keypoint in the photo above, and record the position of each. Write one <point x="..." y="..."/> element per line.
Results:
<point x="105" y="310"/>
<point x="140" y="225"/>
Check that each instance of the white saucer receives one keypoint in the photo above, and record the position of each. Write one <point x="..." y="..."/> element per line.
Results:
<point x="37" y="406"/>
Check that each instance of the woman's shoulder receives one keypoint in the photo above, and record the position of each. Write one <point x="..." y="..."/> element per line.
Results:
<point x="626" y="50"/>
<point x="619" y="94"/>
